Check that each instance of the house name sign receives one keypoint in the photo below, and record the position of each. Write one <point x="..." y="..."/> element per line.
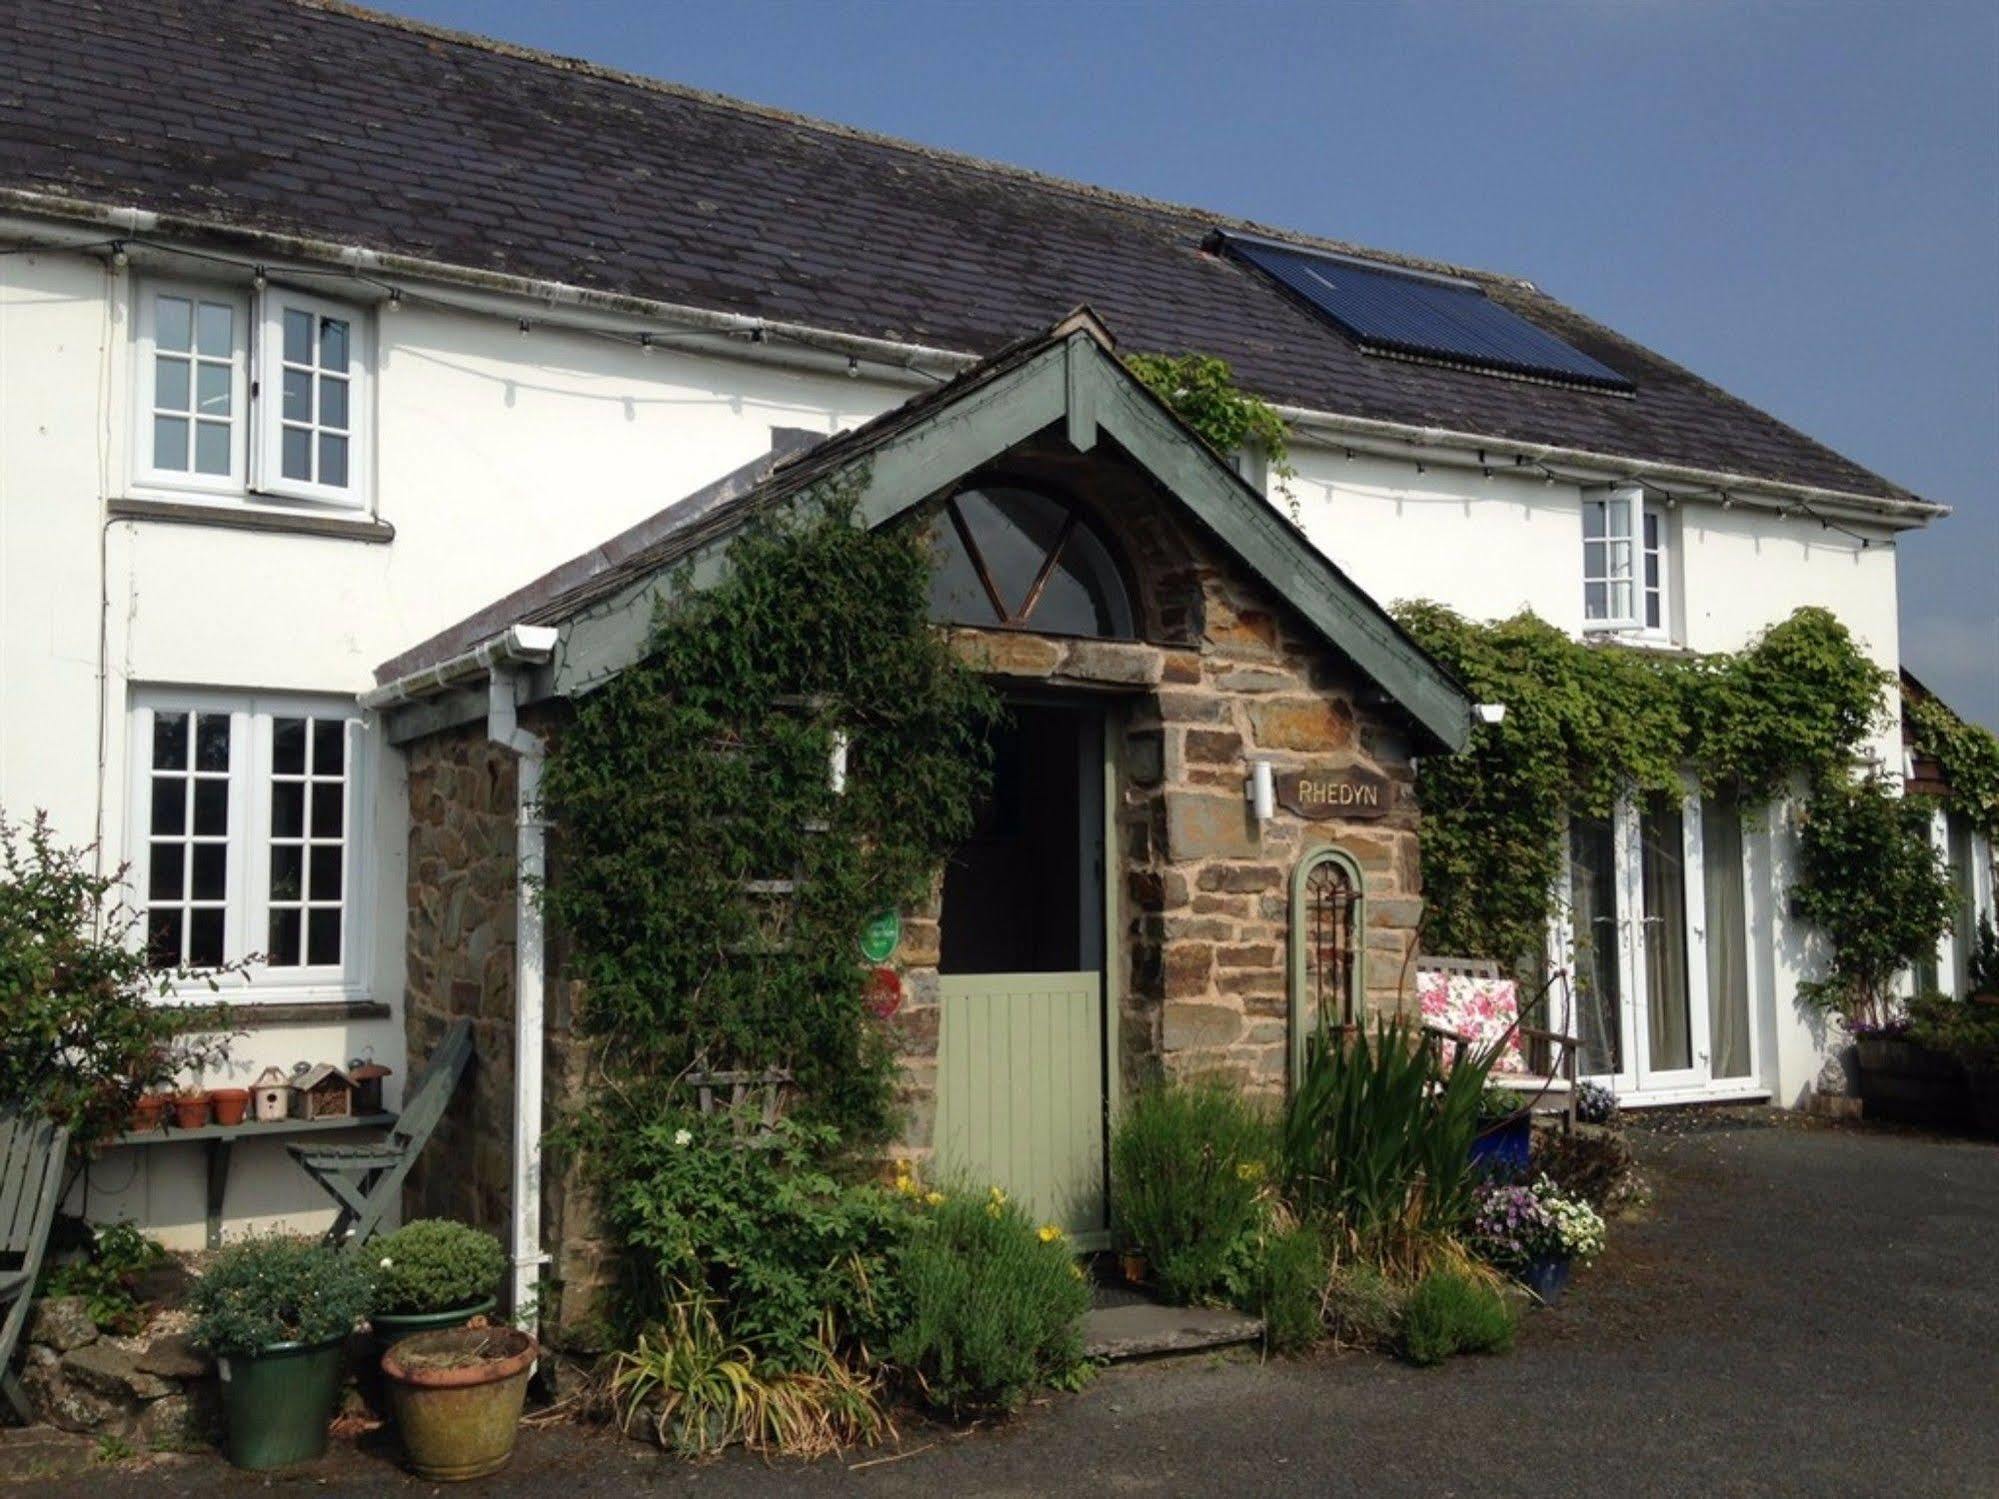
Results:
<point x="1350" y="792"/>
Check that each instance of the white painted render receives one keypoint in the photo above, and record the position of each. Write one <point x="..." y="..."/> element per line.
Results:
<point x="498" y="455"/>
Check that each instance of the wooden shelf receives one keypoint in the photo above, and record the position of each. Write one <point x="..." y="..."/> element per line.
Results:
<point x="250" y="1129"/>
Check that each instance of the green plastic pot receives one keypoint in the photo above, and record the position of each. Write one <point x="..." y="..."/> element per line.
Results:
<point x="279" y="1400"/>
<point x="457" y="1398"/>
<point x="393" y="1327"/>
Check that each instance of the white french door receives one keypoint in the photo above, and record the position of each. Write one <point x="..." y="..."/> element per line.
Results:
<point x="1655" y="930"/>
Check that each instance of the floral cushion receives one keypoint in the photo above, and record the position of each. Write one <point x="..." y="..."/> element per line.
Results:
<point x="1480" y="1010"/>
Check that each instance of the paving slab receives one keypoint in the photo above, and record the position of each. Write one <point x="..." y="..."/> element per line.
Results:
<point x="1148" y="1330"/>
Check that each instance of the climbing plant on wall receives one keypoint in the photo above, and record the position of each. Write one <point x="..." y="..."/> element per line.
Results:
<point x="1584" y="722"/>
<point x="1202" y="392"/>
<point x="1968" y="755"/>
<point x="709" y="878"/>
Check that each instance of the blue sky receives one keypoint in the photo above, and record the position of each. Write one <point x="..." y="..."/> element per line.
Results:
<point x="1799" y="201"/>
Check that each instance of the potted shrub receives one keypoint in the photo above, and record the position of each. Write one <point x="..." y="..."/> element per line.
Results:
<point x="433" y="1274"/>
<point x="1904" y="1074"/>
<point x="1535" y="1234"/>
<point x="276" y="1312"/>
<point x="1505" y="1139"/>
<point x="457" y="1396"/>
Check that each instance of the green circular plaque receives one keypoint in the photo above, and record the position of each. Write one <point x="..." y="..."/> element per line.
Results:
<point x="881" y="936"/>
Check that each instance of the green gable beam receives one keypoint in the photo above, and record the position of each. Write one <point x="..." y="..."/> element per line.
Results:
<point x="1278" y="552"/>
<point x="905" y="469"/>
<point x="1079" y="383"/>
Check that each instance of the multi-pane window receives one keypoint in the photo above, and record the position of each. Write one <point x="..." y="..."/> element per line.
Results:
<point x="269" y="399"/>
<point x="1625" y="559"/>
<point x="1607" y="560"/>
<point x="1655" y="570"/>
<point x="188" y="843"/>
<point x="315" y="422"/>
<point x="308" y="840"/>
<point x="248" y="811"/>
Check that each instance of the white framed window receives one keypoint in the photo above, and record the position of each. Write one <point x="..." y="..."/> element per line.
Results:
<point x="251" y="396"/>
<point x="310" y="382"/>
<point x="1627" y="555"/>
<point x="193" y="387"/>
<point x="247" y="821"/>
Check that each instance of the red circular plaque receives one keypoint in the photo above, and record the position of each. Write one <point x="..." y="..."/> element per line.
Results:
<point x="884" y="992"/>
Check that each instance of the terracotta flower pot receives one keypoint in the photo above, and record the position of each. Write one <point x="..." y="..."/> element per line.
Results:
<point x="1132" y="1266"/>
<point x="457" y="1398"/>
<point x="230" y="1104"/>
<point x="149" y="1111"/>
<point x="191" y="1110"/>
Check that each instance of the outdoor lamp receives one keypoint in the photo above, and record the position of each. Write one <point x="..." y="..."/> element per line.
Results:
<point x="1490" y="713"/>
<point x="1260" y="790"/>
<point x="836" y="763"/>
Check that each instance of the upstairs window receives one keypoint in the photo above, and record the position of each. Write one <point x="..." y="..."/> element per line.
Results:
<point x="251" y="396"/>
<point x="1626" y="555"/>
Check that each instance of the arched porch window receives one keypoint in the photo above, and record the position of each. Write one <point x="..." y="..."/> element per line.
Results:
<point x="1328" y="933"/>
<point x="1013" y="558"/>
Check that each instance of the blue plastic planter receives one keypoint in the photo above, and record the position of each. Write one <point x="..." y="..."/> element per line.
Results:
<point x="1546" y="1278"/>
<point x="1504" y="1149"/>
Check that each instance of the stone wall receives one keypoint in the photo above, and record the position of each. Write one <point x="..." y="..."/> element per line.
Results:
<point x="461" y="963"/>
<point x="154" y="1389"/>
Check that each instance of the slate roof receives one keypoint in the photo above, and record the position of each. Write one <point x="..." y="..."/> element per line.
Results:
<point x="309" y="117"/>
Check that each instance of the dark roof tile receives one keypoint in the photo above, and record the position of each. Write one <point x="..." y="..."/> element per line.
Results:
<point x="318" y="119"/>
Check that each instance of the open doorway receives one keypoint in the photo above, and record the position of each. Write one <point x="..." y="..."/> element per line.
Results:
<point x="1021" y="1054"/>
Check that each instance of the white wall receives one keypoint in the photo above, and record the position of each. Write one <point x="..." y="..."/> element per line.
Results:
<point x="498" y="457"/>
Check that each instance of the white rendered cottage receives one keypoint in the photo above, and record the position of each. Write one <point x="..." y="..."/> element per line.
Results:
<point x="278" y="402"/>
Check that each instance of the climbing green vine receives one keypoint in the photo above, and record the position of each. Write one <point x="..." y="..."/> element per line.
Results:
<point x="1203" y="393"/>
<point x="709" y="880"/>
<point x="1586" y="721"/>
<point x="1968" y="755"/>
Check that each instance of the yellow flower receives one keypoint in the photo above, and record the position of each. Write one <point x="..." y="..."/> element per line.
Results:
<point x="1048" y="1233"/>
<point x="1250" y="1171"/>
<point x="933" y="1198"/>
<point x="998" y="1196"/>
<point x="1075" y="1269"/>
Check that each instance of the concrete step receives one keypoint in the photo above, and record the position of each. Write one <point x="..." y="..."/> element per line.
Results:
<point x="1116" y="1334"/>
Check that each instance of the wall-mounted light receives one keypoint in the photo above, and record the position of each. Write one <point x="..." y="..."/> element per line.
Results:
<point x="1490" y="713"/>
<point x="1259" y="789"/>
<point x="836" y="763"/>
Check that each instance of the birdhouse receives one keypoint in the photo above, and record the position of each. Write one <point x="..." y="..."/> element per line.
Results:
<point x="322" y="1092"/>
<point x="367" y="1079"/>
<point x="271" y="1095"/>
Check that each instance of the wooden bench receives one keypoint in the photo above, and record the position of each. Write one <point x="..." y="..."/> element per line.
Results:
<point x="32" y="1152"/>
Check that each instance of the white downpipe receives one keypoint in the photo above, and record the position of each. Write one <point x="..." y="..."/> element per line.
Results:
<point x="530" y="861"/>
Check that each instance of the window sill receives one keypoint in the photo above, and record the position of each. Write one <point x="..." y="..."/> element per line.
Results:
<point x="247" y="518"/>
<point x="254" y="1015"/>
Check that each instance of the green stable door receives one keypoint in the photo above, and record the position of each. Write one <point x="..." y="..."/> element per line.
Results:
<point x="1022" y="1070"/>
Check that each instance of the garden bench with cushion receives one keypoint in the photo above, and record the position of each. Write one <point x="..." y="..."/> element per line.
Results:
<point x="367" y="1180"/>
<point x="1468" y="1001"/>
<point x="32" y="1152"/>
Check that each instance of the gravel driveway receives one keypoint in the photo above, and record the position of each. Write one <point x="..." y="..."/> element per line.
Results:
<point x="1807" y="1310"/>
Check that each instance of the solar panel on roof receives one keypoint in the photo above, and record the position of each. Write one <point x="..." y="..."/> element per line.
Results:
<point x="1431" y="317"/>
